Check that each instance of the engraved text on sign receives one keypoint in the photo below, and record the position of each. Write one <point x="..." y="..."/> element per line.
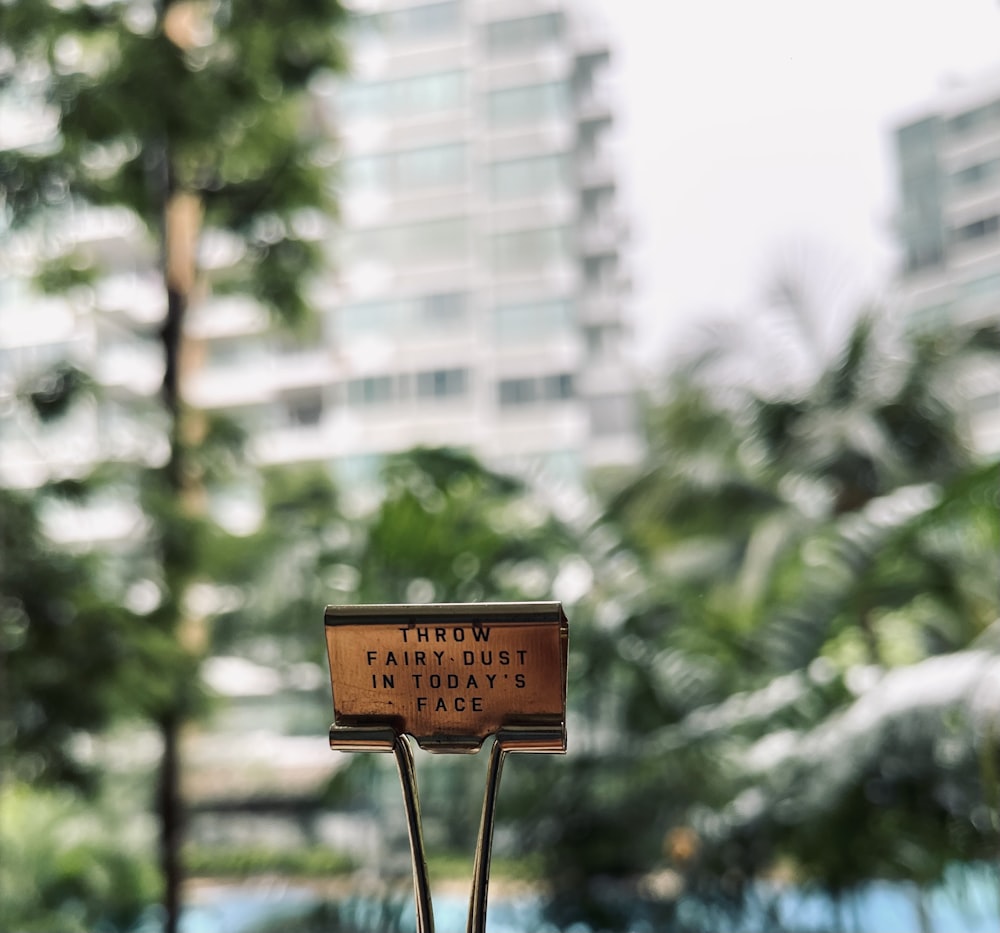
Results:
<point x="448" y="679"/>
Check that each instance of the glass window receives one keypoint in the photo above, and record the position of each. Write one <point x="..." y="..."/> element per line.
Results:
<point x="972" y="119"/>
<point x="600" y="273"/>
<point x="442" y="383"/>
<point x="421" y="21"/>
<point x="535" y="389"/>
<point x="974" y="174"/>
<point x="434" y="241"/>
<point x="403" y="97"/>
<point x="425" y="21"/>
<point x="367" y="172"/>
<point x="533" y="320"/>
<point x="401" y="316"/>
<point x="520" y="178"/>
<point x="440" y="240"/>
<point x="517" y="392"/>
<point x="364" y="27"/>
<point x="395" y="172"/>
<point x="367" y="318"/>
<point x="557" y="387"/>
<point x="523" y="34"/>
<point x="530" y="250"/>
<point x="304" y="408"/>
<point x="602" y="339"/>
<point x="977" y="230"/>
<point x="370" y="390"/>
<point x="432" y="166"/>
<point x="360" y="98"/>
<point x="442" y="310"/>
<point x="528" y="104"/>
<point x="429" y="93"/>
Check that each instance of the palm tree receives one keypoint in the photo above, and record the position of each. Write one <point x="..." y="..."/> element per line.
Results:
<point x="802" y="541"/>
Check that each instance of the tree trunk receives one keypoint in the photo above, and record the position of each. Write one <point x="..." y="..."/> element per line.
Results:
<point x="182" y="215"/>
<point x="171" y="818"/>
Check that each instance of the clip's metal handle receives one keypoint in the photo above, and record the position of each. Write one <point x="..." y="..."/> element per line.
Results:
<point x="418" y="854"/>
<point x="507" y="740"/>
<point x="510" y="739"/>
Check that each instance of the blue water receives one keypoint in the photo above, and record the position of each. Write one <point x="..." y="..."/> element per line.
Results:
<point x="969" y="902"/>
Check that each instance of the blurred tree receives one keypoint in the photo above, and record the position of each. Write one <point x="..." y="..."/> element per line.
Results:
<point x="68" y="865"/>
<point x="805" y="547"/>
<point x="449" y="529"/>
<point x="301" y="552"/>
<point x="191" y="116"/>
<point x="65" y="648"/>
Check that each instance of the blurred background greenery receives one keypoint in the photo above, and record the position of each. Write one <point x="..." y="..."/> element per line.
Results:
<point x="784" y="668"/>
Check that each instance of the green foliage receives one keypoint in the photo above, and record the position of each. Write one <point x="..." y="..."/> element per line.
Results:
<point x="245" y="861"/>
<point x="183" y="115"/>
<point x="68" y="866"/>
<point x="458" y="866"/>
<point x="196" y="98"/>
<point x="287" y="569"/>
<point x="64" y="274"/>
<point x="72" y="659"/>
<point x="450" y="530"/>
<point x="805" y="568"/>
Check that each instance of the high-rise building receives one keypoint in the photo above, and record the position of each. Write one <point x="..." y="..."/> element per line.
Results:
<point x="476" y="286"/>
<point x="948" y="157"/>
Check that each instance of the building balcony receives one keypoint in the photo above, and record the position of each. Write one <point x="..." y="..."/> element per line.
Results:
<point x="979" y="146"/>
<point x="374" y="133"/>
<point x="306" y="369"/>
<point x="384" y="58"/>
<point x="966" y="207"/>
<point x="540" y="428"/>
<point x="601" y="235"/>
<point x="238" y="387"/>
<point x="971" y="258"/>
<point x="135" y="368"/>
<point x="229" y="316"/>
<point x="515" y="9"/>
<point x="595" y="167"/>
<point x="425" y="278"/>
<point x="595" y="104"/>
<point x="296" y="444"/>
<point x="589" y="37"/>
<point x="138" y="298"/>
<point x="530" y="66"/>
<point x="553" y="208"/>
<point x="257" y="379"/>
<point x="600" y="307"/>
<point x="552" y="135"/>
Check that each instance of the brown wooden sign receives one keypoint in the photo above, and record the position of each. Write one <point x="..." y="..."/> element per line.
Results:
<point x="450" y="674"/>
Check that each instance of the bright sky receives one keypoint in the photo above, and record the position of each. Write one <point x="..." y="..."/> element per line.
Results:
<point x="755" y="131"/>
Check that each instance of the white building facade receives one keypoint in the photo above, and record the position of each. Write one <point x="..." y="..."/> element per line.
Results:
<point x="475" y="287"/>
<point x="948" y="157"/>
<point x="476" y="291"/>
